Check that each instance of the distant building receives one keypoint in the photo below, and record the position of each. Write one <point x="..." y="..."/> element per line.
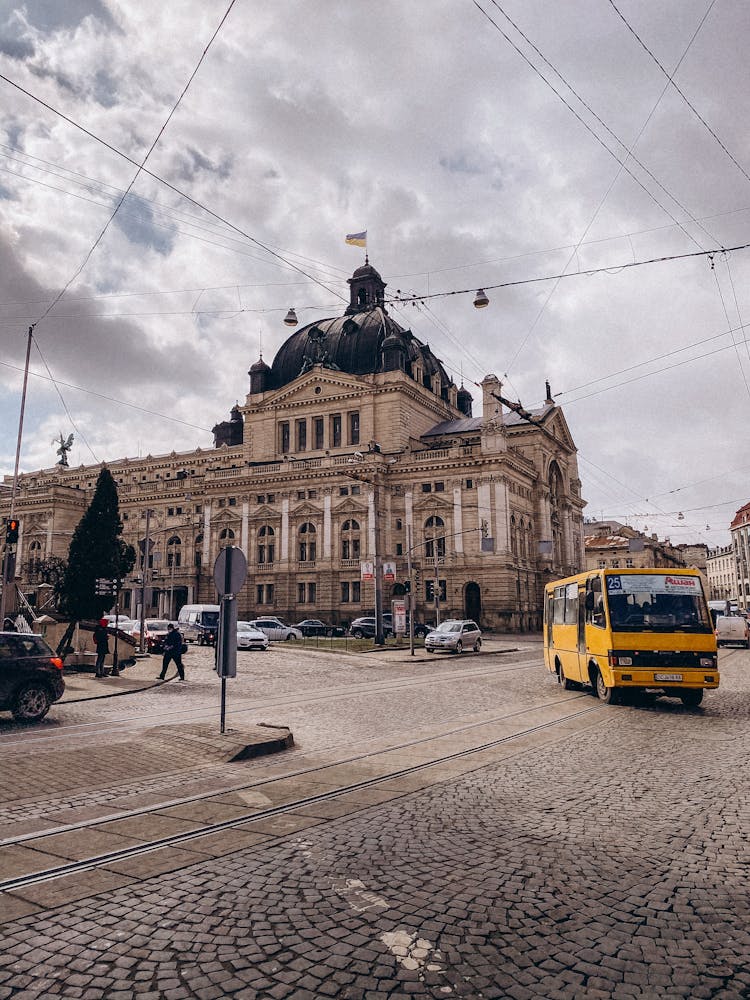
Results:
<point x="740" y="530"/>
<point x="612" y="545"/>
<point x="353" y="447"/>
<point x="721" y="572"/>
<point x="694" y="556"/>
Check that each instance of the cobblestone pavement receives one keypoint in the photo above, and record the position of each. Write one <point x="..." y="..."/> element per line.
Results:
<point x="610" y="864"/>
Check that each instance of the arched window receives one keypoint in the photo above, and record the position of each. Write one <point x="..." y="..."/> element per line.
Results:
<point x="434" y="534"/>
<point x="350" y="543"/>
<point x="198" y="551"/>
<point x="513" y="536"/>
<point x="226" y="535"/>
<point x="266" y="544"/>
<point x="306" y="542"/>
<point x="174" y="551"/>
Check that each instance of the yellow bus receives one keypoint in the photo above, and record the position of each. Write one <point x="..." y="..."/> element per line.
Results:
<point x="625" y="630"/>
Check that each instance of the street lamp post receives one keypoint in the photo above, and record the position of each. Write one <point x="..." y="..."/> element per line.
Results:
<point x="144" y="571"/>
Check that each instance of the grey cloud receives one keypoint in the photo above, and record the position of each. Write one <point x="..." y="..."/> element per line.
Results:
<point x="54" y="15"/>
<point x="15" y="48"/>
<point x="138" y="225"/>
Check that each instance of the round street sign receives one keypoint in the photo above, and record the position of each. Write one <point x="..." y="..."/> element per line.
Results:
<point x="230" y="570"/>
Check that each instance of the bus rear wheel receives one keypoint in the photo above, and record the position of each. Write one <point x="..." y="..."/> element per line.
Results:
<point x="565" y="684"/>
<point x="691" y="698"/>
<point x="608" y="695"/>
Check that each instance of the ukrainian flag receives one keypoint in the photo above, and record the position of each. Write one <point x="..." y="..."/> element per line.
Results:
<point x="357" y="239"/>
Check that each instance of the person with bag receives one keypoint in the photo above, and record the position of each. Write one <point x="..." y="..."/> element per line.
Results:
<point x="172" y="651"/>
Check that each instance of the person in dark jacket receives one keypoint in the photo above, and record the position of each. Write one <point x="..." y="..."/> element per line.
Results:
<point x="172" y="651"/>
<point x="101" y="638"/>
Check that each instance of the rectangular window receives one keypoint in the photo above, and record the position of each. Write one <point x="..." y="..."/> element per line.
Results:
<point x="300" y="494"/>
<point x="233" y="501"/>
<point x="301" y="434"/>
<point x="356" y="490"/>
<point x="222" y="502"/>
<point x="260" y="498"/>
<point x="399" y="548"/>
<point x="345" y="598"/>
<point x="271" y="497"/>
<point x="284" y="437"/>
<point x="469" y="484"/>
<point x="351" y="592"/>
<point x="354" y="427"/>
<point x="178" y="510"/>
<point x="343" y="491"/>
<point x="170" y="511"/>
<point x="335" y="430"/>
<point x="312" y="589"/>
<point x="312" y="494"/>
<point x="300" y="593"/>
<point x="306" y="593"/>
<point x="427" y="487"/>
<point x="399" y="524"/>
<point x="356" y="592"/>
<point x="440" y="487"/>
<point x="318" y="433"/>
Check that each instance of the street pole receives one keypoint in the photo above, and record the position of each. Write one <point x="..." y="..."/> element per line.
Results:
<point x="379" y="637"/>
<point x="8" y="558"/>
<point x="410" y="602"/>
<point x="436" y="582"/>
<point x="146" y="547"/>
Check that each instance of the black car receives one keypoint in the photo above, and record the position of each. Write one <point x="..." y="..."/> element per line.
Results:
<point x="365" y="628"/>
<point x="313" y="626"/>
<point x="31" y="676"/>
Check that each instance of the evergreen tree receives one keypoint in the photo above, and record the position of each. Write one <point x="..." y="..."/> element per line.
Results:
<point x="96" y="550"/>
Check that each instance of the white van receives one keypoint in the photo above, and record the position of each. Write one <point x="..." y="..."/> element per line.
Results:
<point x="732" y="630"/>
<point x="199" y="623"/>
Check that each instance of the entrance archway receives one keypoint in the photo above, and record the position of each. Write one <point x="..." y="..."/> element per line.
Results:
<point x="473" y="601"/>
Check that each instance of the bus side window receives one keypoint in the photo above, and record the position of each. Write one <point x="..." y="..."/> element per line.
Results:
<point x="595" y="603"/>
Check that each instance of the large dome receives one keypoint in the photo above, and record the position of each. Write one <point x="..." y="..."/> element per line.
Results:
<point x="355" y="342"/>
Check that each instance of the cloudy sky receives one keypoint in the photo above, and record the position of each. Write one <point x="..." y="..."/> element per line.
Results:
<point x="543" y="150"/>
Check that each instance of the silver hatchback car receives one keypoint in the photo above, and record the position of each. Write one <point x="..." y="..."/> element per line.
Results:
<point x="454" y="635"/>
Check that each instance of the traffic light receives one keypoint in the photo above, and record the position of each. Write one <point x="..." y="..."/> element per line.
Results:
<point x="11" y="531"/>
<point x="407" y="586"/>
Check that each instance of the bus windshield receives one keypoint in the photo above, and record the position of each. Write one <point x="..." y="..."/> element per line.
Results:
<point x="656" y="602"/>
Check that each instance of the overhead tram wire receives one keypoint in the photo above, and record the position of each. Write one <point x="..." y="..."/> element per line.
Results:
<point x="109" y="399"/>
<point x="729" y="326"/>
<point x="150" y="173"/>
<point x="684" y="97"/>
<point x="623" y="162"/>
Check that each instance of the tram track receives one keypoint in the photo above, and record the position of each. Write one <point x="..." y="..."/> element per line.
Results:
<point x="551" y="726"/>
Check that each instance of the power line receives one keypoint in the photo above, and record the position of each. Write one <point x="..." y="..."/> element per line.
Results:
<point x="687" y="101"/>
<point x="144" y="170"/>
<point x="109" y="399"/>
<point x="588" y="272"/>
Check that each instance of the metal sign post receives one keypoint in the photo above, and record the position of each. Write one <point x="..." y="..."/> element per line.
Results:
<point x="230" y="573"/>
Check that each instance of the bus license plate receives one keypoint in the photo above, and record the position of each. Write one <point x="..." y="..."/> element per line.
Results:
<point x="667" y="677"/>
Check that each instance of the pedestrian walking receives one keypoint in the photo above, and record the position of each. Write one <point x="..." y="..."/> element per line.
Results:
<point x="172" y="651"/>
<point x="101" y="638"/>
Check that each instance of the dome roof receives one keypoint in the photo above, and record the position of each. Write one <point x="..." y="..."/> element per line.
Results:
<point x="354" y="342"/>
<point x="259" y="366"/>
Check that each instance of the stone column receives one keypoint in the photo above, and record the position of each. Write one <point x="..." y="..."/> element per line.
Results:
<point x="484" y="507"/>
<point x="327" y="534"/>
<point x="245" y="534"/>
<point x="207" y="563"/>
<point x="371" y="515"/>
<point x="458" y="523"/>
<point x="285" y="529"/>
<point x="502" y="526"/>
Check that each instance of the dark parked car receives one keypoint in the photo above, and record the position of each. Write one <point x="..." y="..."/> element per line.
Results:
<point x="31" y="676"/>
<point x="313" y="626"/>
<point x="365" y="628"/>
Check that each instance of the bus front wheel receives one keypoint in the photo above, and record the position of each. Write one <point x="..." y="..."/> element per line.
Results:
<point x="691" y="698"/>
<point x="608" y="695"/>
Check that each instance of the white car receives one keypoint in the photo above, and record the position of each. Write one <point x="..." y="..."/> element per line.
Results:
<point x="249" y="637"/>
<point x="276" y="629"/>
<point x="453" y="635"/>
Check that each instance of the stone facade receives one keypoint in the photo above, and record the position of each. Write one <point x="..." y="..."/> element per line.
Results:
<point x="721" y="571"/>
<point x="326" y="465"/>
<point x="611" y="545"/>
<point x="740" y="529"/>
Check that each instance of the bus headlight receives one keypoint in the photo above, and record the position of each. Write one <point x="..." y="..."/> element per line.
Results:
<point x="707" y="661"/>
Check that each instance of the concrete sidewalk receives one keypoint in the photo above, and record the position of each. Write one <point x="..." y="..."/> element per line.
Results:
<point x="83" y="684"/>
